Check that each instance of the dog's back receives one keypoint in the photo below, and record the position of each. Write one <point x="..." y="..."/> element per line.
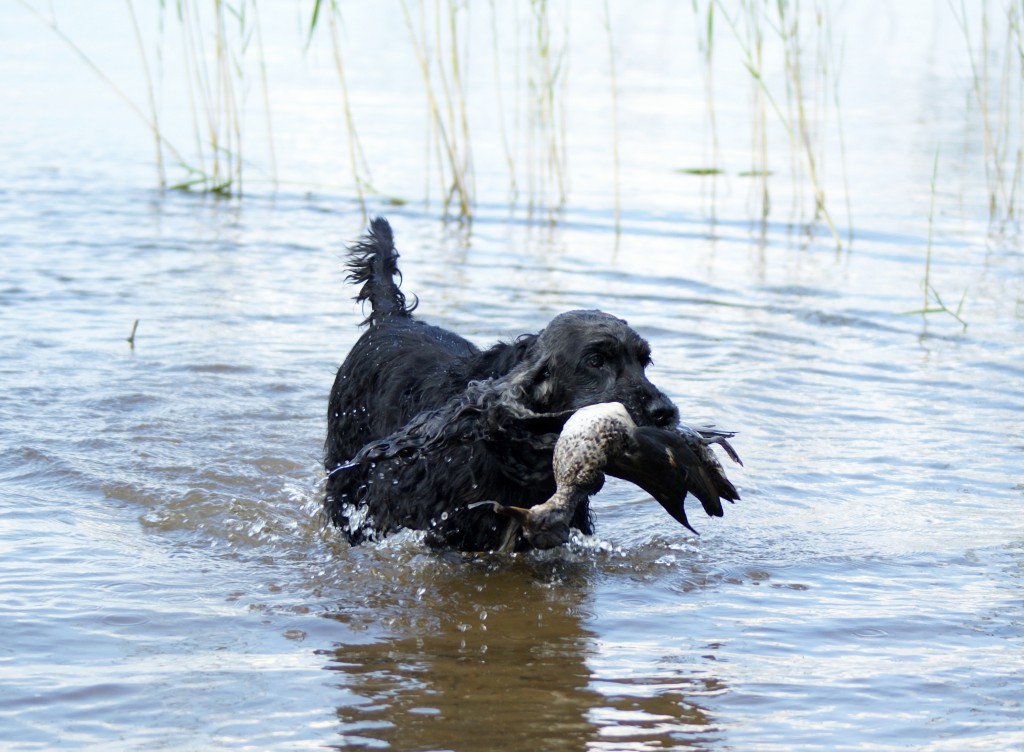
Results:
<point x="398" y="367"/>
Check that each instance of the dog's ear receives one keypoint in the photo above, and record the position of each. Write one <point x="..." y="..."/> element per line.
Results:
<point x="536" y="380"/>
<point x="529" y="371"/>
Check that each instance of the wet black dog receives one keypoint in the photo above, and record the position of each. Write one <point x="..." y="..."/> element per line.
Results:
<point x="422" y="424"/>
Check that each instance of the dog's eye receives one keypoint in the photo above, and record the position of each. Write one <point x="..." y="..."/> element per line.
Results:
<point x="594" y="360"/>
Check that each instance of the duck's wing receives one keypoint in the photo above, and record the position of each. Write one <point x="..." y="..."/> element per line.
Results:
<point x="668" y="464"/>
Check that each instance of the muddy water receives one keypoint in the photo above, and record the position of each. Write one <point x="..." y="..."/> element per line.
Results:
<point x="166" y="581"/>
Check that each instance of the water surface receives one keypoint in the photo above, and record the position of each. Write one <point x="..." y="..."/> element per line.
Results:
<point x="166" y="579"/>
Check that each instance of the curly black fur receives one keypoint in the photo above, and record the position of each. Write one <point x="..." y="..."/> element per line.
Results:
<point x="421" y="423"/>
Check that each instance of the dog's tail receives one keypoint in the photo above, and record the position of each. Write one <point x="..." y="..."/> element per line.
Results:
<point x="373" y="262"/>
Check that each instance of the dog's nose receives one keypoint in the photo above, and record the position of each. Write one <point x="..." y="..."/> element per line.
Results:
<point x="662" y="412"/>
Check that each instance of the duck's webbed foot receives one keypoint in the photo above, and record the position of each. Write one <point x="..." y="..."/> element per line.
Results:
<point x="711" y="435"/>
<point x="545" y="525"/>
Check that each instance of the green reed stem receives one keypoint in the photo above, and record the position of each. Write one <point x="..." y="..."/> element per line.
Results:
<point x="266" y="93"/>
<point x="355" y="149"/>
<point x="615" y="115"/>
<point x="509" y="157"/>
<point x="929" y="290"/>
<point x="458" y="188"/>
<point x="931" y="219"/>
<point x="800" y="132"/>
<point x="150" y="95"/>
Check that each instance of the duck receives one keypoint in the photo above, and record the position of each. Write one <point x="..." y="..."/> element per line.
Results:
<point x="602" y="439"/>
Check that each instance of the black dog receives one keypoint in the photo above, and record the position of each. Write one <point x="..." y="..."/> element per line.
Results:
<point x="422" y="424"/>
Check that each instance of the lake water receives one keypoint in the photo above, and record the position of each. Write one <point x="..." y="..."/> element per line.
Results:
<point x="166" y="581"/>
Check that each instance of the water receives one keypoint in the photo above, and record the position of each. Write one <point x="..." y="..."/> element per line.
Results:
<point x="167" y="583"/>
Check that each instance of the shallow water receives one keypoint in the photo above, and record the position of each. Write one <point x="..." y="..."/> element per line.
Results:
<point x="167" y="582"/>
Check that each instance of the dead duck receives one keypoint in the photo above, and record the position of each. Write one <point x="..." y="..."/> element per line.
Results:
<point x="603" y="439"/>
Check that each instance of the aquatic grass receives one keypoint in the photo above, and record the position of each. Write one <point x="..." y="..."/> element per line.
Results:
<point x="615" y="116"/>
<point x="1000" y="104"/>
<point x="546" y="81"/>
<point x="932" y="302"/>
<point x="797" y="123"/>
<point x="131" y="337"/>
<point x="801" y="126"/>
<point x="212" y="78"/>
<point x="218" y="38"/>
<point x="218" y="165"/>
<point x="703" y="171"/>
<point x="215" y="40"/>
<point x="706" y="47"/>
<point x="150" y="122"/>
<point x="440" y="44"/>
<point x="840" y="131"/>
<point x="510" y="159"/>
<point x="754" y="52"/>
<point x="449" y="121"/>
<point x="540" y="103"/>
<point x="151" y="99"/>
<point x="359" y="168"/>
<point x="265" y="90"/>
<point x="202" y="87"/>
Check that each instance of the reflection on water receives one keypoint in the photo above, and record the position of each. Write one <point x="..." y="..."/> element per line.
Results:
<point x="498" y="652"/>
<point x="167" y="581"/>
<point x="479" y="656"/>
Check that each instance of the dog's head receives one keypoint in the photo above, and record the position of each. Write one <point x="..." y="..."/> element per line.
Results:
<point x="587" y="357"/>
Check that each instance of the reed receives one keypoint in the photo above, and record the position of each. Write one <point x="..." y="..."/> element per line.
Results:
<point x="999" y="100"/>
<point x="499" y="85"/>
<point x="802" y="128"/>
<point x="447" y="104"/>
<point x="215" y="123"/>
<point x="151" y="99"/>
<point x="615" y="117"/>
<point x="753" y="49"/>
<point x="440" y="43"/>
<point x="359" y="168"/>
<point x="932" y="301"/>
<point x="265" y="91"/>
<point x="219" y="39"/>
<point x="837" y="56"/>
<point x="215" y="38"/>
<point x="706" y="47"/>
<point x="150" y="121"/>
<point x="547" y="65"/>
<point x="131" y="337"/>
